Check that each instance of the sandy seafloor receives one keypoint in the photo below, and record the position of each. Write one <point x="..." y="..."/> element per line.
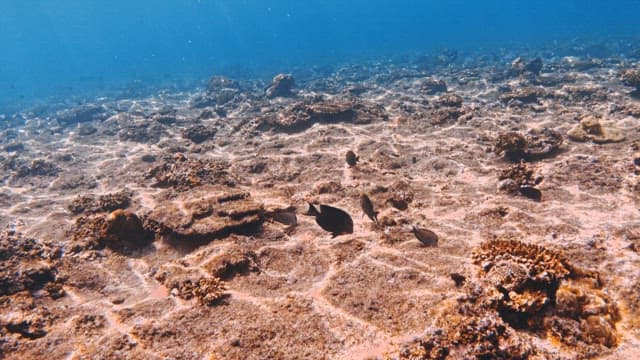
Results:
<point x="198" y="267"/>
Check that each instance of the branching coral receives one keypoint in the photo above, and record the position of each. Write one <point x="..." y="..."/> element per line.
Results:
<point x="542" y="265"/>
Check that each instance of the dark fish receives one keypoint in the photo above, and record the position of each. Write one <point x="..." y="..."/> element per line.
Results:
<point x="367" y="207"/>
<point x="458" y="279"/>
<point x="531" y="192"/>
<point x="284" y="216"/>
<point x="351" y="158"/>
<point x="426" y="236"/>
<point x="333" y="220"/>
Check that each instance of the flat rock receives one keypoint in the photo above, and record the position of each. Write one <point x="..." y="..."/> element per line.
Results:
<point x="206" y="213"/>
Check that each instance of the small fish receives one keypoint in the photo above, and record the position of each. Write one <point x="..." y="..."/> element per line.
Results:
<point x="531" y="192"/>
<point x="426" y="236"/>
<point x="284" y="216"/>
<point x="351" y="158"/>
<point x="331" y="219"/>
<point x="367" y="207"/>
<point x="457" y="278"/>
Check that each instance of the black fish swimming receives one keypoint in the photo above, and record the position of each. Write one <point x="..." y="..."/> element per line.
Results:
<point x="284" y="216"/>
<point x="531" y="192"/>
<point x="333" y="220"/>
<point x="367" y="207"/>
<point x="426" y="236"/>
<point x="351" y="158"/>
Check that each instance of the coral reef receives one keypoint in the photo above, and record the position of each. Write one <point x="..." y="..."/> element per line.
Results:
<point x="520" y="173"/>
<point x="542" y="265"/>
<point x="217" y="83"/>
<point x="538" y="289"/>
<point x="581" y="63"/>
<point x="523" y="291"/>
<point x="450" y="100"/>
<point x="520" y="66"/>
<point x="188" y="284"/>
<point x="91" y="269"/>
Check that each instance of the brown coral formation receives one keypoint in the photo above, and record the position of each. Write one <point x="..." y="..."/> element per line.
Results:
<point x="25" y="263"/>
<point x="206" y="213"/>
<point x="537" y="288"/>
<point x="541" y="264"/>
<point x="208" y="290"/>
<point x="280" y="86"/>
<point x="234" y="261"/>
<point x="123" y="229"/>
<point x="518" y="175"/>
<point x="591" y="129"/>
<point x="584" y="313"/>
<point x="187" y="283"/>
<point x="104" y="203"/>
<point x="524" y="291"/>
<point x="537" y="144"/>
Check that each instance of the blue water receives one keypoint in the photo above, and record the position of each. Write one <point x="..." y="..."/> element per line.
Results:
<point x="74" y="47"/>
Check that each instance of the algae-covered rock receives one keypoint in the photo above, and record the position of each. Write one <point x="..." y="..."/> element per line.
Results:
<point x="280" y="86"/>
<point x="536" y="144"/>
<point x="591" y="129"/>
<point x="124" y="229"/>
<point x="206" y="213"/>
